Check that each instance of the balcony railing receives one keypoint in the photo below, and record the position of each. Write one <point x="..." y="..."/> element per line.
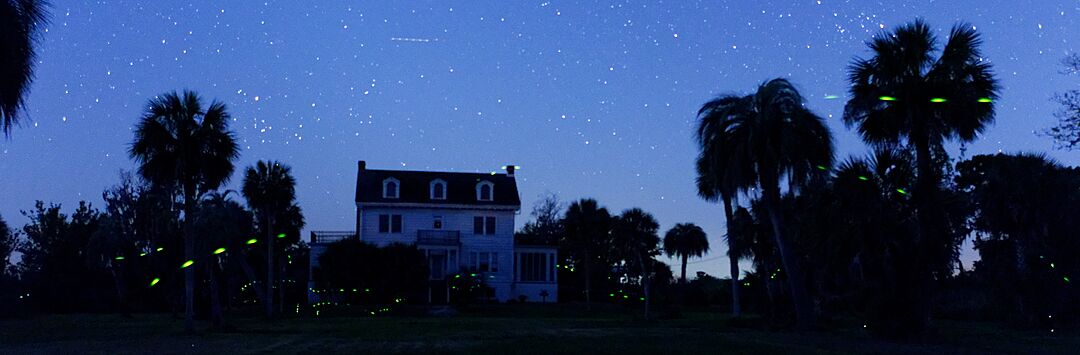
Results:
<point x="438" y="237"/>
<point x="327" y="237"/>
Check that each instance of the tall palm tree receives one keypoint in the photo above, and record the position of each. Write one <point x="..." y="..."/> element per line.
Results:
<point x="20" y="24"/>
<point x="270" y="190"/>
<point x="723" y="171"/>
<point x="636" y="243"/>
<point x="784" y="141"/>
<point x="685" y="240"/>
<point x="587" y="227"/>
<point x="903" y="93"/>
<point x="225" y="226"/>
<point x="181" y="146"/>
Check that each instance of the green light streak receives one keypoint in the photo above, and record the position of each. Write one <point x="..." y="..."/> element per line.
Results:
<point x="863" y="178"/>
<point x="142" y="254"/>
<point x="160" y="249"/>
<point x="822" y="168"/>
<point x="831" y="97"/>
<point x="938" y="100"/>
<point x="985" y="100"/>
<point x="252" y="241"/>
<point x="155" y="281"/>
<point x="187" y="263"/>
<point x="282" y="235"/>
<point x="119" y="258"/>
<point x="886" y="98"/>
<point x="1066" y="278"/>
<point x="219" y="251"/>
<point x="902" y="191"/>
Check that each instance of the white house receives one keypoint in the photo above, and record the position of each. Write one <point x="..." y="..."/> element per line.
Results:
<point x="463" y="222"/>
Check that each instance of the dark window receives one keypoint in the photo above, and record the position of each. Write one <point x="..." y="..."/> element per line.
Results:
<point x="391" y="189"/>
<point x="478" y="225"/>
<point x="485" y="192"/>
<point x="489" y="226"/>
<point x="384" y="223"/>
<point x="438" y="192"/>
<point x="534" y="267"/>
<point x="485" y="263"/>
<point x="395" y="223"/>
<point x="438" y="222"/>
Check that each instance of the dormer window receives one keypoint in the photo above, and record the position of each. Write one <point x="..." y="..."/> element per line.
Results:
<point x="485" y="191"/>
<point x="438" y="190"/>
<point x="390" y="188"/>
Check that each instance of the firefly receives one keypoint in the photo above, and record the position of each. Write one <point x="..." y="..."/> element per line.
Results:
<point x="160" y="249"/>
<point x="155" y="281"/>
<point x="985" y="100"/>
<point x="863" y="178"/>
<point x="252" y="241"/>
<point x="938" y="100"/>
<point x="142" y="254"/>
<point x="886" y="98"/>
<point x="119" y="258"/>
<point x="822" y="168"/>
<point x="902" y="191"/>
<point x="1051" y="265"/>
<point x="187" y="263"/>
<point x="219" y="251"/>
<point x="1066" y="278"/>
<point x="831" y="97"/>
<point x="282" y="235"/>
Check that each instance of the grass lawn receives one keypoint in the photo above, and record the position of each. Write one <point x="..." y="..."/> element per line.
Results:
<point x="495" y="330"/>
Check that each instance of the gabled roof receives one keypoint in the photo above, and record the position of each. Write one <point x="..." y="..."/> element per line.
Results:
<point x="415" y="187"/>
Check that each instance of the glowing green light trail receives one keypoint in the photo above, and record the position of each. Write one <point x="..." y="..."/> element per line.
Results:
<point x="902" y="191"/>
<point x="831" y="97"/>
<point x="886" y="98"/>
<point x="938" y="100"/>
<point x="985" y="100"/>
<point x="119" y="258"/>
<point x="187" y="263"/>
<point x="155" y="281"/>
<point x="863" y="178"/>
<point x="282" y="235"/>
<point x="160" y="249"/>
<point x="252" y="241"/>
<point x="219" y="251"/>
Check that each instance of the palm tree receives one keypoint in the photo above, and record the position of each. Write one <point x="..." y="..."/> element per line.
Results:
<point x="685" y="240"/>
<point x="20" y="23"/>
<point x="723" y="171"/>
<point x="182" y="147"/>
<point x="784" y="141"/>
<point x="636" y="243"/>
<point x="904" y="93"/>
<point x="270" y="190"/>
<point x="587" y="233"/>
<point x="225" y="225"/>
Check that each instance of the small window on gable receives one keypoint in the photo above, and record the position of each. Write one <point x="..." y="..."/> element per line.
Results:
<point x="485" y="191"/>
<point x="438" y="190"/>
<point x="391" y="188"/>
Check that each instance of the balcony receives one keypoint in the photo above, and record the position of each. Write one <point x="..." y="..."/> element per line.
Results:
<point x="438" y="237"/>
<point x="327" y="237"/>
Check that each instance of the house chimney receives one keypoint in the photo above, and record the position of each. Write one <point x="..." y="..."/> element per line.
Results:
<point x="361" y="165"/>
<point x="510" y="170"/>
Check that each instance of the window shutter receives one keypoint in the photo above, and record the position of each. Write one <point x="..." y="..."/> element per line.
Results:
<point x="384" y="223"/>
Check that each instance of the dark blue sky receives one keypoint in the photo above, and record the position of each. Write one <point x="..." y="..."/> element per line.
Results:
<point x="590" y="98"/>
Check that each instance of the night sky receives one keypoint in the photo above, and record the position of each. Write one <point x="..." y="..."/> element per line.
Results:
<point x="591" y="99"/>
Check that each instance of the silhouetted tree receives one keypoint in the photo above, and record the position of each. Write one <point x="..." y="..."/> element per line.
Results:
<point x="270" y="191"/>
<point x="683" y="241"/>
<point x="180" y="146"/>
<point x="786" y="142"/>
<point x="20" y="28"/>
<point x="1067" y="131"/>
<point x="225" y="226"/>
<point x="546" y="228"/>
<point x="8" y="243"/>
<point x="903" y="92"/>
<point x="635" y="242"/>
<point x="588" y="234"/>
<point x="55" y="262"/>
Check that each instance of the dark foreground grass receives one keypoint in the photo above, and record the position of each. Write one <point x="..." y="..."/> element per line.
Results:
<point x="495" y="330"/>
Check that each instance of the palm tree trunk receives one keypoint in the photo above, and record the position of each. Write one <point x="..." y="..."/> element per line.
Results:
<point x="216" y="315"/>
<point x="733" y="258"/>
<point x="269" y="266"/>
<point x="189" y="254"/>
<point x="250" y="273"/>
<point x="924" y="202"/>
<point x="804" y="313"/>
<point x="588" y="281"/>
<point x="281" y="287"/>
<point x="682" y="279"/>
